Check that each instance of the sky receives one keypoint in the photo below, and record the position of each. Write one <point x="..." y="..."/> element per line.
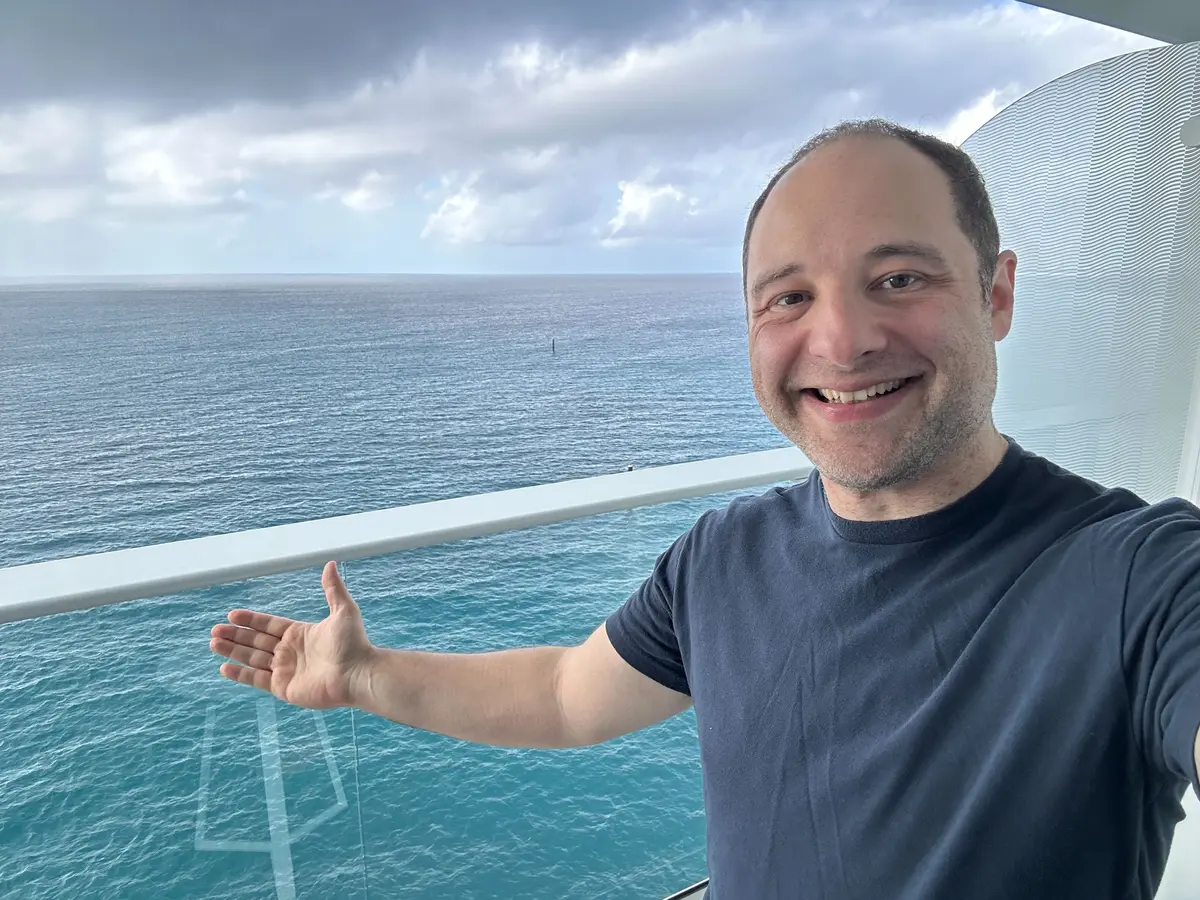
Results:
<point x="462" y="136"/>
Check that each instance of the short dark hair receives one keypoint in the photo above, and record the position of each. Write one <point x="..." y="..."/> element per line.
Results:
<point x="972" y="205"/>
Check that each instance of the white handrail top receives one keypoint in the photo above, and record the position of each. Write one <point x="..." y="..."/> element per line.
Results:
<point x="99" y="579"/>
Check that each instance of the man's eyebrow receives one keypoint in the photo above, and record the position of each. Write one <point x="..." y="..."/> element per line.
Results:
<point x="927" y="252"/>
<point x="763" y="281"/>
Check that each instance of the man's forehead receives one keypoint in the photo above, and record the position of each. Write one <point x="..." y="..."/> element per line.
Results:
<point x="856" y="194"/>
<point x="862" y="171"/>
<point x="865" y="156"/>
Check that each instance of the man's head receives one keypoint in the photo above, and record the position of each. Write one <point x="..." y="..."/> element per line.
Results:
<point x="871" y="263"/>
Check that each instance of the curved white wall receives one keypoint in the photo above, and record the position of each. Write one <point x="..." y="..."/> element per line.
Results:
<point x="1096" y="191"/>
<point x="1100" y="198"/>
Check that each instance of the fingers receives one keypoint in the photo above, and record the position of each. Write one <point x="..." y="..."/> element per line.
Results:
<point x="272" y="625"/>
<point x="240" y="653"/>
<point x="336" y="594"/>
<point x="253" y="677"/>
<point x="259" y="640"/>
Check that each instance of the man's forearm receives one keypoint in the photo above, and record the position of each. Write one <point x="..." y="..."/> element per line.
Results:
<point x="508" y="698"/>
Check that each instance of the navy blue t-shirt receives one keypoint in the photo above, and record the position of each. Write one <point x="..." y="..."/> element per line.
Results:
<point x="999" y="699"/>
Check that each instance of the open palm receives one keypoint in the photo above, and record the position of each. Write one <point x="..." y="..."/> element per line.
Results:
<point x="310" y="664"/>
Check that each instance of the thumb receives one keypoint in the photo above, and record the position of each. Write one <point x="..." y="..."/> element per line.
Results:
<point x="336" y="595"/>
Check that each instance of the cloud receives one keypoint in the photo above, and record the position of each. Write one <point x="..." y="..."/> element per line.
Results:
<point x="502" y="207"/>
<point x="642" y="203"/>
<point x="49" y="168"/>
<point x="47" y="138"/>
<point x="371" y="194"/>
<point x="41" y="205"/>
<point x="182" y="54"/>
<point x="172" y="165"/>
<point x="969" y="120"/>
<point x="576" y="130"/>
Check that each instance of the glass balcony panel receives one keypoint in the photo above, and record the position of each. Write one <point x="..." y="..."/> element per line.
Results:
<point x="128" y="766"/>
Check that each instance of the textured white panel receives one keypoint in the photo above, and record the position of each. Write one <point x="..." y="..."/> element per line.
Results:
<point x="1100" y="198"/>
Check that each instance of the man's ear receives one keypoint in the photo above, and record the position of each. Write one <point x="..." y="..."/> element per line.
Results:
<point x="1000" y="298"/>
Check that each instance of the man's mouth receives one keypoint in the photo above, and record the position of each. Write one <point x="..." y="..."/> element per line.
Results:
<point x="882" y="389"/>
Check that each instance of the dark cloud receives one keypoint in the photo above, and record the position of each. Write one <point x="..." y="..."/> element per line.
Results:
<point x="189" y="53"/>
<point x="291" y="130"/>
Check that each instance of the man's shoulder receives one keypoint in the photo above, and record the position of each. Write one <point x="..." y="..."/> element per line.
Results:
<point x="745" y="516"/>
<point x="1115" y="521"/>
<point x="1165" y="532"/>
<point x="740" y="531"/>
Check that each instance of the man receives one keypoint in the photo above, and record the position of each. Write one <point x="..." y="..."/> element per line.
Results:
<point x="940" y="668"/>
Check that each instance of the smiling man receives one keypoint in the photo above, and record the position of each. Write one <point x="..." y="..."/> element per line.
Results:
<point x="942" y="667"/>
<point x="875" y="299"/>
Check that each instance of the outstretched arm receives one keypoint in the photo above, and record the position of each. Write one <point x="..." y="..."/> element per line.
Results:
<point x="530" y="697"/>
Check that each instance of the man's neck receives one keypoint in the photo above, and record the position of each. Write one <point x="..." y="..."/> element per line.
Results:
<point x="935" y="490"/>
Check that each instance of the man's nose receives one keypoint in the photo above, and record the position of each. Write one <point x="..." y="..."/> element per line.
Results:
<point x="844" y="327"/>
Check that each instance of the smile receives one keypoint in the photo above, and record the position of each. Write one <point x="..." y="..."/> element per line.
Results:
<point x="876" y="390"/>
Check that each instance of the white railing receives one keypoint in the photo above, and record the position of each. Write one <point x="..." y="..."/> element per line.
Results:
<point x="83" y="582"/>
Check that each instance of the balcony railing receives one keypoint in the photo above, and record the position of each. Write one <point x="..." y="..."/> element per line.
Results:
<point x="28" y="592"/>
<point x="83" y="582"/>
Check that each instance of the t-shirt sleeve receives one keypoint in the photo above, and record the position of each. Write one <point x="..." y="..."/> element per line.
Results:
<point x="1162" y="640"/>
<point x="643" y="629"/>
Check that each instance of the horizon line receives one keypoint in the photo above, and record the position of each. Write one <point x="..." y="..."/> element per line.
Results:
<point x="143" y="276"/>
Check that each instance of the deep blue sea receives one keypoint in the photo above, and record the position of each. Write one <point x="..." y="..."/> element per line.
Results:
<point x="132" y="414"/>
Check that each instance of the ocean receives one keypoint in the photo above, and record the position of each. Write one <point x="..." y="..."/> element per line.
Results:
<point x="138" y="413"/>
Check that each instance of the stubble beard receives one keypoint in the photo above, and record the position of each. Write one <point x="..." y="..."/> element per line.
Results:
<point x="940" y="432"/>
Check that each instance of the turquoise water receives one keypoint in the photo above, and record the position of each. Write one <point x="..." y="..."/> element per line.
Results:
<point x="136" y="414"/>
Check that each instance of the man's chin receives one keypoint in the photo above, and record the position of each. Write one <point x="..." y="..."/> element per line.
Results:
<point x="863" y="467"/>
<point x="863" y="479"/>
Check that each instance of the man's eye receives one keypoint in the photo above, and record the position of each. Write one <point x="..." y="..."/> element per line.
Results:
<point x="899" y="282"/>
<point x="793" y="299"/>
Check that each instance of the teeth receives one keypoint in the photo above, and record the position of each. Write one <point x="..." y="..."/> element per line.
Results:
<point x="858" y="396"/>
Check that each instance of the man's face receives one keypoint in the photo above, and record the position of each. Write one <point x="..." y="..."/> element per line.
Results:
<point x="860" y="279"/>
